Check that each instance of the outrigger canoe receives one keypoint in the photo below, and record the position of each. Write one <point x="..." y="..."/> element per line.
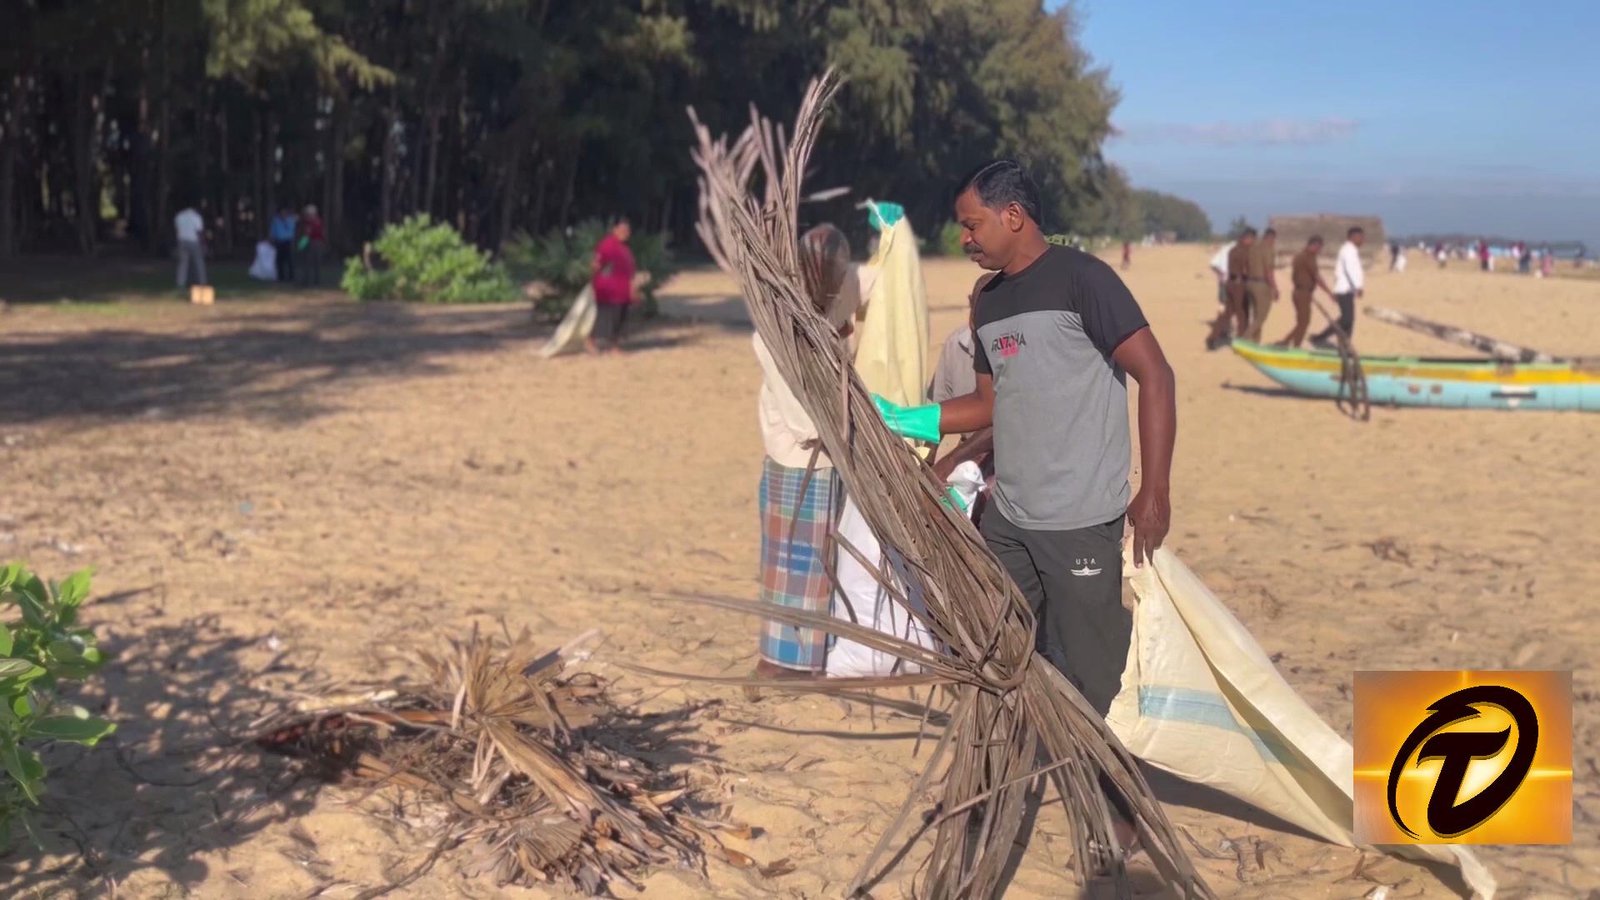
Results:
<point x="1423" y="381"/>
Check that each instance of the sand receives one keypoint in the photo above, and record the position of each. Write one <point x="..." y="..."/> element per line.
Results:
<point x="293" y="486"/>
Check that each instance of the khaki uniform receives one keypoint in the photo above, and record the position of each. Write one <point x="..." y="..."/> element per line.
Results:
<point x="1238" y="267"/>
<point x="1258" y="289"/>
<point x="1303" y="273"/>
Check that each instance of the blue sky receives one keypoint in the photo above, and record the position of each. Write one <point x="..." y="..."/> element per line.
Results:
<point x="1466" y="116"/>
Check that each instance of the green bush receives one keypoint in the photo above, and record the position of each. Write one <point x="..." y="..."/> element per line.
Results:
<point x="38" y="651"/>
<point x="429" y="263"/>
<point x="561" y="260"/>
<point x="950" y="240"/>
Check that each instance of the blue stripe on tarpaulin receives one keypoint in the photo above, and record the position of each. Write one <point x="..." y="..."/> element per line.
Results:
<point x="1206" y="708"/>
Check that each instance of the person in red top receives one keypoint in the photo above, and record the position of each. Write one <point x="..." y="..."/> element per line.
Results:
<point x="614" y="291"/>
<point x="312" y="241"/>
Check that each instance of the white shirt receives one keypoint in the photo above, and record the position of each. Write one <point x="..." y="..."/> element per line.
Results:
<point x="1348" y="276"/>
<point x="785" y="427"/>
<point x="189" y="225"/>
<point x="1220" y="261"/>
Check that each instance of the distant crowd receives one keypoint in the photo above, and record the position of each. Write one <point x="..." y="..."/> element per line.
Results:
<point x="291" y="253"/>
<point x="1523" y="256"/>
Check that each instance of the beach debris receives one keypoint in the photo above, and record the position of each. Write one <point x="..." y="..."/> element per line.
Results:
<point x="1389" y="549"/>
<point x="531" y="772"/>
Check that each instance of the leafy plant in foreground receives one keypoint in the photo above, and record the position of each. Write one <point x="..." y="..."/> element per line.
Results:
<point x="39" y="649"/>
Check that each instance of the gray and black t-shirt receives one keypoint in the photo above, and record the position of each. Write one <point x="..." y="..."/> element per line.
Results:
<point x="1061" y="444"/>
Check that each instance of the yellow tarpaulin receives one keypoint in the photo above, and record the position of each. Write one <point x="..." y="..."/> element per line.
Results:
<point x="892" y="349"/>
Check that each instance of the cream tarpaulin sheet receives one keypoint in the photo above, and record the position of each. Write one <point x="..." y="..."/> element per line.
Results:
<point x="1202" y="700"/>
<point x="575" y="327"/>
<point x="892" y="345"/>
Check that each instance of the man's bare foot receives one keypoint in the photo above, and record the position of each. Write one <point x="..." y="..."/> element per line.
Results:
<point x="590" y="347"/>
<point x="771" y="671"/>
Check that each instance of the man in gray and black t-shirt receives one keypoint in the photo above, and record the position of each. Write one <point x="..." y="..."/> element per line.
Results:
<point x="1057" y="335"/>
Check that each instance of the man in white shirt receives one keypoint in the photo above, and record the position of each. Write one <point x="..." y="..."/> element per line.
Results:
<point x="191" y="229"/>
<point x="1221" y="330"/>
<point x="1349" y="284"/>
<point x="1219" y="267"/>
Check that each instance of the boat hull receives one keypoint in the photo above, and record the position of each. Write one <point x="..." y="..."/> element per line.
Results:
<point x="1417" y="381"/>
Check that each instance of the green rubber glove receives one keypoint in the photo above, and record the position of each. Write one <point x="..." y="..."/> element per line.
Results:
<point x="882" y="215"/>
<point x="953" y="499"/>
<point x="920" y="423"/>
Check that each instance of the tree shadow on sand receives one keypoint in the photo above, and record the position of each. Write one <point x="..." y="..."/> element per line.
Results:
<point x="269" y="362"/>
<point x="175" y="780"/>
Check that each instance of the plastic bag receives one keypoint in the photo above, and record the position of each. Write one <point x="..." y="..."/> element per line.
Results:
<point x="265" y="266"/>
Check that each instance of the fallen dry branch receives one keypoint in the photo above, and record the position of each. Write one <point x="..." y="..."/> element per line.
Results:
<point x="1015" y="716"/>
<point x="533" y="773"/>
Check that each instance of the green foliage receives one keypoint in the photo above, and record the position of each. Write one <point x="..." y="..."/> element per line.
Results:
<point x="428" y="263"/>
<point x="39" y="649"/>
<point x="950" y="240"/>
<point x="1160" y="212"/>
<point x="249" y="37"/>
<point x="1237" y="227"/>
<point x="933" y="87"/>
<point x="500" y="115"/>
<point x="562" y="261"/>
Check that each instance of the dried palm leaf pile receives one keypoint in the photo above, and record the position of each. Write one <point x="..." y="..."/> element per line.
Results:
<point x="1015" y="718"/>
<point x="534" y="773"/>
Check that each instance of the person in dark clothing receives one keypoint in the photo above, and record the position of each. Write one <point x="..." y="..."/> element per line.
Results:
<point x="281" y="233"/>
<point x="1306" y="278"/>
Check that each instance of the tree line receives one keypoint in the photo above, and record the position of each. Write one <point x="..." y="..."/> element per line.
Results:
<point x="507" y="116"/>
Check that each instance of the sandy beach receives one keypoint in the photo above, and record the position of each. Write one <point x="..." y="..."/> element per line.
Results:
<point x="289" y="493"/>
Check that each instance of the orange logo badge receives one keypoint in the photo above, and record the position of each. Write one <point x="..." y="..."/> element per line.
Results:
<point x="1463" y="757"/>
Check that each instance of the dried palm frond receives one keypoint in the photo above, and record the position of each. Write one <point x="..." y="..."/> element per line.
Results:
<point x="534" y="771"/>
<point x="1016" y="718"/>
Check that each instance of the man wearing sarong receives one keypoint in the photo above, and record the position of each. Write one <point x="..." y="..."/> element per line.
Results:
<point x="799" y="494"/>
<point x="1057" y="335"/>
<point x="1306" y="278"/>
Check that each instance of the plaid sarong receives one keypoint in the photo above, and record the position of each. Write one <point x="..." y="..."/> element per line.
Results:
<point x="794" y="573"/>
